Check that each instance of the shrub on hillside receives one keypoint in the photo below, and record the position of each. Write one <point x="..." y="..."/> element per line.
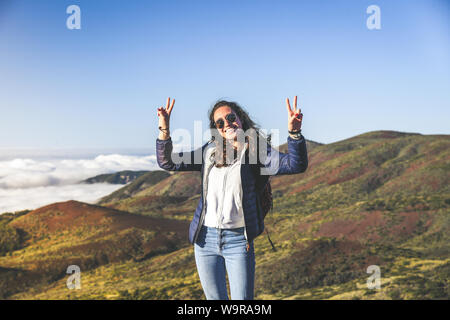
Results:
<point x="10" y="239"/>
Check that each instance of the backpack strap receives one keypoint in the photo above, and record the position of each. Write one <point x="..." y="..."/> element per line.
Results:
<point x="271" y="243"/>
<point x="260" y="184"/>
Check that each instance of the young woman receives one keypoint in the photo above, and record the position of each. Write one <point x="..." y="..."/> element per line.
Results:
<point x="229" y="214"/>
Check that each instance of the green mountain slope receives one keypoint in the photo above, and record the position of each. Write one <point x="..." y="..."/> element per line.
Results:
<point x="173" y="196"/>
<point x="381" y="198"/>
<point x="76" y="233"/>
<point x="121" y="177"/>
<point x="141" y="183"/>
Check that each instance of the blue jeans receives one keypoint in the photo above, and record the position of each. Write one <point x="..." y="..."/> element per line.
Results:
<point x="220" y="251"/>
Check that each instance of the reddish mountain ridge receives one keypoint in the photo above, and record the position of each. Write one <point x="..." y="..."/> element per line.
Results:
<point x="86" y="235"/>
<point x="72" y="215"/>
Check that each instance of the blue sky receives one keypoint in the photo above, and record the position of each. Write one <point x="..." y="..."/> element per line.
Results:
<point x="100" y="86"/>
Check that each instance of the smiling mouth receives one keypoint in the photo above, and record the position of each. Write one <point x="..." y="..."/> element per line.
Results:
<point x="230" y="130"/>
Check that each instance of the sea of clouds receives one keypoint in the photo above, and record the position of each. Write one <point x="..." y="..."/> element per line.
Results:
<point x="29" y="181"/>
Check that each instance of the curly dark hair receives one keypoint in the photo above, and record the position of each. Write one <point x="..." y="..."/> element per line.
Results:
<point x="247" y="123"/>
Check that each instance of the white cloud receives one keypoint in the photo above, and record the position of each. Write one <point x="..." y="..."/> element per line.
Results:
<point x="26" y="183"/>
<point x="29" y="173"/>
<point x="31" y="198"/>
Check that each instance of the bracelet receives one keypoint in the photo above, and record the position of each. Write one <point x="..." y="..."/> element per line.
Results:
<point x="162" y="129"/>
<point x="296" y="135"/>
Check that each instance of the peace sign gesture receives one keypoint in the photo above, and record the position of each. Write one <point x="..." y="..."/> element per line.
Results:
<point x="164" y="114"/>
<point x="164" y="119"/>
<point x="294" y="116"/>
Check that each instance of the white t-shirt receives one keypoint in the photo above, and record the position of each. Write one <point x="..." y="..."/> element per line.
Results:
<point x="224" y="197"/>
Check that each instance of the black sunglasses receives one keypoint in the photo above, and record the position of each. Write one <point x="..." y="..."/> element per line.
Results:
<point x="231" y="117"/>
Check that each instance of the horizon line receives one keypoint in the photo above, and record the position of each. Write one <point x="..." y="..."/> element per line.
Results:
<point x="152" y="146"/>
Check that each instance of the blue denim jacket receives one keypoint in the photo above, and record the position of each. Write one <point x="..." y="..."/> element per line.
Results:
<point x="253" y="178"/>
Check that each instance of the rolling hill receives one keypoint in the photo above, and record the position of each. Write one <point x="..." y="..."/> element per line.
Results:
<point x="121" y="177"/>
<point x="76" y="233"/>
<point x="143" y="182"/>
<point x="380" y="198"/>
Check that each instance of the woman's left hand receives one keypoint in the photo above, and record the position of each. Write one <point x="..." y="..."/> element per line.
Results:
<point x="294" y="116"/>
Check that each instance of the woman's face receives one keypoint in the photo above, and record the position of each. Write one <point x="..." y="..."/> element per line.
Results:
<point x="228" y="130"/>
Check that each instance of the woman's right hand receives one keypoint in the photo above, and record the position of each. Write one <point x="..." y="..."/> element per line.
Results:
<point x="164" y="119"/>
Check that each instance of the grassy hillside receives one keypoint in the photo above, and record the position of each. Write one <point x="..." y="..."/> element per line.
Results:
<point x="381" y="198"/>
<point x="75" y="233"/>
<point x="141" y="183"/>
<point x="121" y="177"/>
<point x="173" y="196"/>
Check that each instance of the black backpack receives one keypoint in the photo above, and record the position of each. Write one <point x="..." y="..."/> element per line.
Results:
<point x="266" y="198"/>
<point x="264" y="195"/>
